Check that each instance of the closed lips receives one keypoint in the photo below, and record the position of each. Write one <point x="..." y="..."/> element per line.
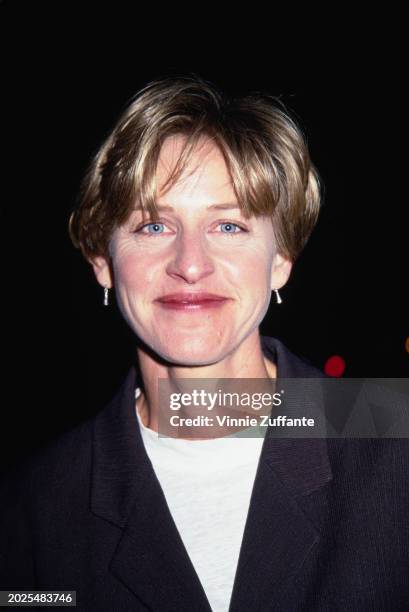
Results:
<point x="191" y="298"/>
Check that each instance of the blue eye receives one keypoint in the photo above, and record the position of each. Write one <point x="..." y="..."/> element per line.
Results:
<point x="232" y="225"/>
<point x="154" y="225"/>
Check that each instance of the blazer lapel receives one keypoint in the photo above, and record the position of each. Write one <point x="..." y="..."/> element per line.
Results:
<point x="150" y="558"/>
<point x="279" y="534"/>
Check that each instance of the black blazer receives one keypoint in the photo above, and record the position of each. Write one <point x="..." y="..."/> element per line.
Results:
<point x="327" y="529"/>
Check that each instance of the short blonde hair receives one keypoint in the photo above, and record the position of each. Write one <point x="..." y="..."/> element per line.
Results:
<point x="265" y="151"/>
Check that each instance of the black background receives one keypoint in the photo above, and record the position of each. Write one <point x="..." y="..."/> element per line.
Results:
<point x="64" y="352"/>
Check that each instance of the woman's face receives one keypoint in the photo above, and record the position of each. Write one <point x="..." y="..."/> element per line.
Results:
<point x="197" y="246"/>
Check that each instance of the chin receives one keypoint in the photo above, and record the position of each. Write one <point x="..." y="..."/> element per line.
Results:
<point x="192" y="351"/>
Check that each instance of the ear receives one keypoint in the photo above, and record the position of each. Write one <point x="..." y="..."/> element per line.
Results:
<point x="102" y="271"/>
<point x="280" y="271"/>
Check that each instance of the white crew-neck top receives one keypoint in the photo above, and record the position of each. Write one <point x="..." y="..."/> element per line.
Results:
<point x="207" y="485"/>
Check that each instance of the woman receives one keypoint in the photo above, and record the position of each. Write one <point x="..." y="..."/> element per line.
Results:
<point x="193" y="211"/>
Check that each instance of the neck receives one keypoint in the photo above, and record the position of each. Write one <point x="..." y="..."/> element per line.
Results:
<point x="245" y="362"/>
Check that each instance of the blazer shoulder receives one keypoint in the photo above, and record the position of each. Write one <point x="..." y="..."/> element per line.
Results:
<point x="67" y="458"/>
<point x="58" y="461"/>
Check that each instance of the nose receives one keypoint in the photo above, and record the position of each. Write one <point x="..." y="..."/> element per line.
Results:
<point x="191" y="260"/>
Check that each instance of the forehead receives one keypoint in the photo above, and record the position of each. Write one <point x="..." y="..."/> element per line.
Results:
<point x="205" y="171"/>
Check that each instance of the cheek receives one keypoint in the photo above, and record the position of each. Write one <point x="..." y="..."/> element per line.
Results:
<point x="130" y="267"/>
<point x="131" y="273"/>
<point x="249" y="269"/>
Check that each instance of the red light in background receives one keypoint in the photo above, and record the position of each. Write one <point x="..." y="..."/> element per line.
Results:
<point x="335" y="366"/>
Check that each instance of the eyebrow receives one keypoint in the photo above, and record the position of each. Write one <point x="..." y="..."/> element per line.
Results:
<point x="224" y="206"/>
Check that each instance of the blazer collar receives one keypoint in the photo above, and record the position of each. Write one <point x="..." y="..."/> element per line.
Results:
<point x="151" y="558"/>
<point x="302" y="463"/>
